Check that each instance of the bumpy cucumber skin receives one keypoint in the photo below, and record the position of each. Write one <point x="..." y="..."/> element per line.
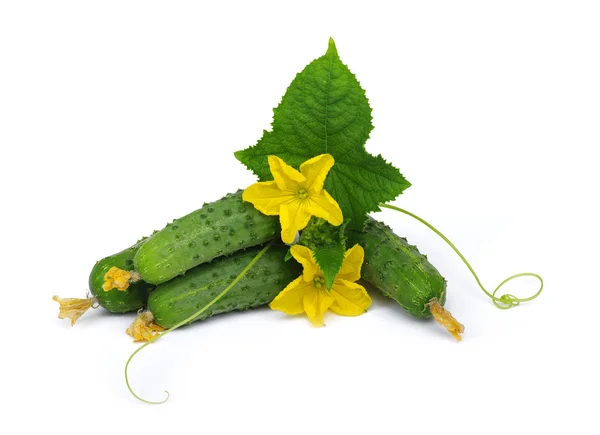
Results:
<point x="398" y="269"/>
<point x="116" y="301"/>
<point x="174" y="301"/>
<point x="219" y="228"/>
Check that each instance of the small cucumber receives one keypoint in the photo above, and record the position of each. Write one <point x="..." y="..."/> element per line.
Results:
<point x="398" y="269"/>
<point x="219" y="228"/>
<point x="174" y="301"/>
<point x="114" y="300"/>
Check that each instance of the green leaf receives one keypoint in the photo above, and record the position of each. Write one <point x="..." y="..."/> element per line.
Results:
<point x="330" y="261"/>
<point x="328" y="244"/>
<point x="325" y="110"/>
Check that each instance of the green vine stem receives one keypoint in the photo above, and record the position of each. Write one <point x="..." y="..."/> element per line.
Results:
<point x="503" y="302"/>
<point x="188" y="320"/>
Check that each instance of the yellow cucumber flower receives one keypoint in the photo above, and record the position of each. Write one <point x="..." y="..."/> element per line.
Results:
<point x="74" y="308"/>
<point x="308" y="293"/>
<point x="296" y="195"/>
<point x="119" y="279"/>
<point x="143" y="327"/>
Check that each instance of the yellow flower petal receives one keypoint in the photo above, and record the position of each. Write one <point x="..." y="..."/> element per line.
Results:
<point x="315" y="170"/>
<point x="293" y="217"/>
<point x="290" y="299"/>
<point x="446" y="319"/>
<point x="353" y="260"/>
<point x="324" y="206"/>
<point x="119" y="279"/>
<point x="74" y="308"/>
<point x="266" y="197"/>
<point x="304" y="256"/>
<point x="143" y="327"/>
<point x="294" y="197"/>
<point x="351" y="299"/>
<point x="286" y="177"/>
<point x="316" y="302"/>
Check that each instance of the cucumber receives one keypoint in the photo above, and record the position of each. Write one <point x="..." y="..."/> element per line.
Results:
<point x="176" y="300"/>
<point x="219" y="228"/>
<point x="114" y="300"/>
<point x="398" y="269"/>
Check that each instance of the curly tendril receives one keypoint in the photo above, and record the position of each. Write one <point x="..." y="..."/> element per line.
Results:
<point x="503" y="302"/>
<point x="188" y="320"/>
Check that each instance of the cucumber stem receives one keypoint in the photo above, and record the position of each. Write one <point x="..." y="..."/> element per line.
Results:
<point x="503" y="302"/>
<point x="189" y="320"/>
<point x="445" y="318"/>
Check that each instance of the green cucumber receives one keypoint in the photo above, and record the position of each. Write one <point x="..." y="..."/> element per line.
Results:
<point x="219" y="228"/>
<point x="398" y="269"/>
<point x="114" y="300"/>
<point x="176" y="300"/>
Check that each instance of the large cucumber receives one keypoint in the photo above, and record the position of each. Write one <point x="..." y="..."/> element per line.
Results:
<point x="398" y="269"/>
<point x="114" y="300"/>
<point x="219" y="228"/>
<point x="176" y="300"/>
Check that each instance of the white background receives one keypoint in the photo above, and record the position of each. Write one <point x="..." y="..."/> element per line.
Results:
<point x="118" y="116"/>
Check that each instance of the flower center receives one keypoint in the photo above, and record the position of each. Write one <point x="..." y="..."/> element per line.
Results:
<point x="302" y="193"/>
<point x="319" y="282"/>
